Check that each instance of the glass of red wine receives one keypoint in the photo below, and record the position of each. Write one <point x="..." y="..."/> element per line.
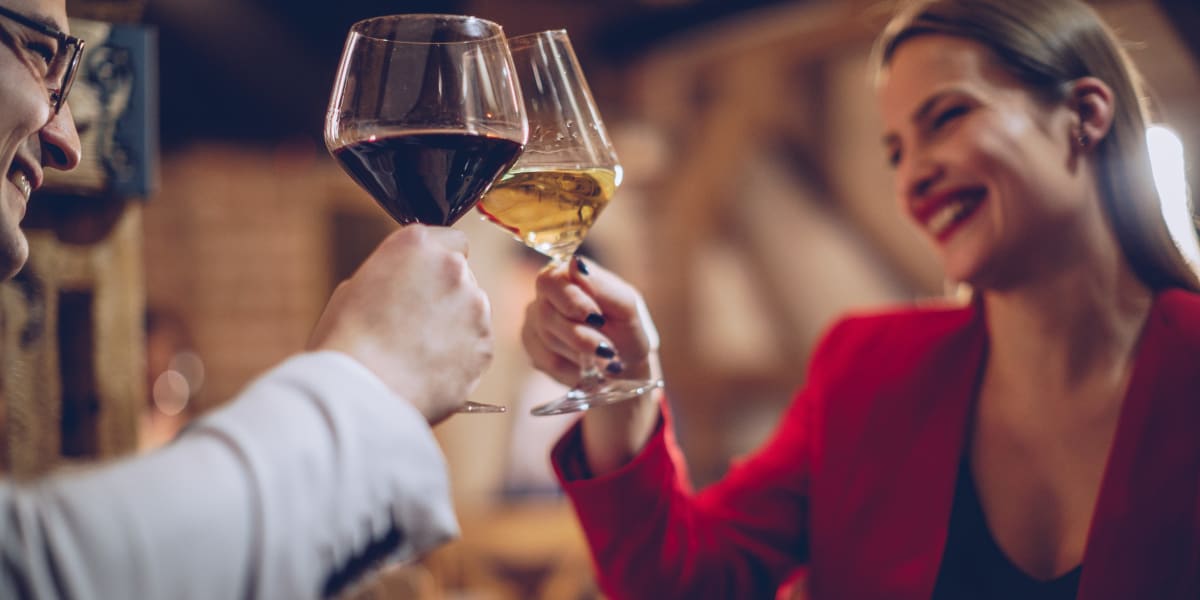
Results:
<point x="425" y="114"/>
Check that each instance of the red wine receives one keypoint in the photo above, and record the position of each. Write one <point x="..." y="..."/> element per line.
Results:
<point x="431" y="178"/>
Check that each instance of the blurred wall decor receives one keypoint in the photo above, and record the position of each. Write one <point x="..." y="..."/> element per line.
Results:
<point x="115" y="109"/>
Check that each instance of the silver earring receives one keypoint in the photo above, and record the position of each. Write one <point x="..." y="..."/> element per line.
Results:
<point x="1084" y="141"/>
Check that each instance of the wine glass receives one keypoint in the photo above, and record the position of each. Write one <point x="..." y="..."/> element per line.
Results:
<point x="560" y="184"/>
<point x="425" y="114"/>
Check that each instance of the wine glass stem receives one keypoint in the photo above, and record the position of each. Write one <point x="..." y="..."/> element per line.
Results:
<point x="590" y="377"/>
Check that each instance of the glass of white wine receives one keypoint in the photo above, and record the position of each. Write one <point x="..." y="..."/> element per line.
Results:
<point x="565" y="177"/>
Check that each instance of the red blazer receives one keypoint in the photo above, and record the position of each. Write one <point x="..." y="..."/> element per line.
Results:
<point x="858" y="480"/>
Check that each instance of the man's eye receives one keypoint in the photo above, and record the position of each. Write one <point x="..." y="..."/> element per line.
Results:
<point x="42" y="50"/>
<point x="949" y="115"/>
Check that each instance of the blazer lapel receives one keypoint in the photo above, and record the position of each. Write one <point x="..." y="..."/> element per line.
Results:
<point x="899" y="460"/>
<point x="1143" y="538"/>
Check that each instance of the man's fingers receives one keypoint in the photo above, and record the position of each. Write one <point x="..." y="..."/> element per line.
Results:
<point x="446" y="237"/>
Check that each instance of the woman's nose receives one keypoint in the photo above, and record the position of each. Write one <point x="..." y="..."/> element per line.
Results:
<point x="919" y="178"/>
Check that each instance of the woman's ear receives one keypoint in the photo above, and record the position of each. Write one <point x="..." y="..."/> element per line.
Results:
<point x="1092" y="101"/>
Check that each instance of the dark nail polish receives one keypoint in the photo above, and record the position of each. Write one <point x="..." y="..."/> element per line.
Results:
<point x="615" y="367"/>
<point x="595" y="320"/>
<point x="604" y="351"/>
<point x="579" y="264"/>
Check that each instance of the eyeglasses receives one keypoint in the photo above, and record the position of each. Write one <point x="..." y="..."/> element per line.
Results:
<point x="62" y="61"/>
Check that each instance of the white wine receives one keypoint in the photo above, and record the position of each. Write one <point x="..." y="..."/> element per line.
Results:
<point x="550" y="209"/>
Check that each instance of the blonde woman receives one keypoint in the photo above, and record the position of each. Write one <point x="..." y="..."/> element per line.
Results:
<point x="1039" y="442"/>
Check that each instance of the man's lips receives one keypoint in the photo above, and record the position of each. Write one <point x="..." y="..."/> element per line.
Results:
<point x="21" y="180"/>
<point x="25" y="175"/>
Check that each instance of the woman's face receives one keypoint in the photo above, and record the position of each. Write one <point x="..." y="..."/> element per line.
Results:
<point x="30" y="139"/>
<point x="985" y="170"/>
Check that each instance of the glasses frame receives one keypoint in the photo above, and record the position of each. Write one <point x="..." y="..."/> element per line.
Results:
<point x="66" y="43"/>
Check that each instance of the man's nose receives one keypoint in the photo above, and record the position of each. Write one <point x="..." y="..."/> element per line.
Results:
<point x="61" y="148"/>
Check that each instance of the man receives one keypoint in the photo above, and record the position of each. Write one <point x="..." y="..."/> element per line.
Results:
<point x="320" y="468"/>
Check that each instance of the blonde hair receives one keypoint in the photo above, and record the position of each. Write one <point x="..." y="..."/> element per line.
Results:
<point x="1047" y="44"/>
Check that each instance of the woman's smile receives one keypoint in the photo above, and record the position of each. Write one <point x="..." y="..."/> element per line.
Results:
<point x="944" y="213"/>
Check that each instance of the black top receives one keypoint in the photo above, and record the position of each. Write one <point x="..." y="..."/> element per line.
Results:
<point x="973" y="566"/>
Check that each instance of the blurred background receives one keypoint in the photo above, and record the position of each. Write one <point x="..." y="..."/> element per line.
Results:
<point x="756" y="207"/>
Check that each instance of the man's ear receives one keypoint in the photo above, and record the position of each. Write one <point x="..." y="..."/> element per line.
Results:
<point x="1092" y="101"/>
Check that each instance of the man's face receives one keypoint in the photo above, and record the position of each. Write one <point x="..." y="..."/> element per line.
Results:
<point x="32" y="136"/>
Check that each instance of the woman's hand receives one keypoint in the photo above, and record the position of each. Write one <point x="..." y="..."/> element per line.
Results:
<point x="584" y="312"/>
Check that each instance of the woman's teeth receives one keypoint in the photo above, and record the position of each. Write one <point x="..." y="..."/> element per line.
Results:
<point x="953" y="212"/>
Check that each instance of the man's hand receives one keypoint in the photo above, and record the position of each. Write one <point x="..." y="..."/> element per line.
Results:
<point x="414" y="314"/>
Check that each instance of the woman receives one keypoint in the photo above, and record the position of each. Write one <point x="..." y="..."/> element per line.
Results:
<point x="1036" y="443"/>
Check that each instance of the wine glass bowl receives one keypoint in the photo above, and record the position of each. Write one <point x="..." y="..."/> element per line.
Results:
<point x="561" y="183"/>
<point x="551" y="209"/>
<point x="425" y="114"/>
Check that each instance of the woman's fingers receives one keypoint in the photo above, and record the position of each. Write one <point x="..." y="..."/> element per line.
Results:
<point x="627" y="321"/>
<point x="558" y="346"/>
<point x="583" y="312"/>
<point x="556" y="286"/>
<point x="612" y="296"/>
<point x="567" y="337"/>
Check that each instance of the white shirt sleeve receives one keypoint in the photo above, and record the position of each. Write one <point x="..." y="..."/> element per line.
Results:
<point x="314" y="473"/>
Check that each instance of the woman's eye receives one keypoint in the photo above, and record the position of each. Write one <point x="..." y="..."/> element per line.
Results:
<point x="893" y="158"/>
<point x="949" y="115"/>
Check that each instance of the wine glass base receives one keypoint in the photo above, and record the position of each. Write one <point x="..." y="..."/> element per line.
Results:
<point x="609" y="392"/>
<point x="481" y="408"/>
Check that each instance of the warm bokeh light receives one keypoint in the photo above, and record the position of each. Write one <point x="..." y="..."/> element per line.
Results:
<point x="1170" y="177"/>
<point x="171" y="393"/>
<point x="191" y="366"/>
